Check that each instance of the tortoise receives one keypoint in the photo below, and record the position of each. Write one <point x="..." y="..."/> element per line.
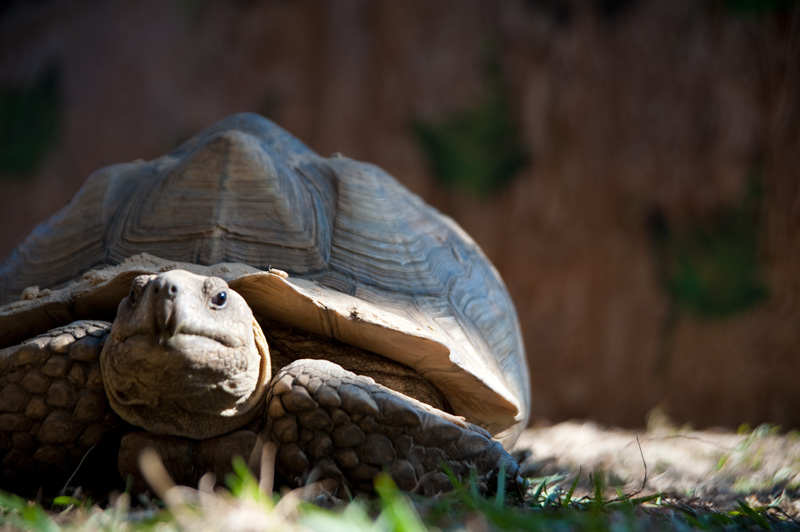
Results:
<point x="244" y="289"/>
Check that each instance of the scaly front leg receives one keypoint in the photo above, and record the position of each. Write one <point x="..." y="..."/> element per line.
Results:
<point x="332" y="423"/>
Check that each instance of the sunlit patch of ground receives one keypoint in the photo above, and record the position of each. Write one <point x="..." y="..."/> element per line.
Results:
<point x="715" y="468"/>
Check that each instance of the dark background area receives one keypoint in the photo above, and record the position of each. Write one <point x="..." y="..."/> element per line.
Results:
<point x="632" y="168"/>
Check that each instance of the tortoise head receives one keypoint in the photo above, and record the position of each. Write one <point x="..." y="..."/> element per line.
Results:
<point x="185" y="357"/>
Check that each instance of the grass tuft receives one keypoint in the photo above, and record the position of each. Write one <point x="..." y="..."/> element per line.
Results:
<point x="246" y="505"/>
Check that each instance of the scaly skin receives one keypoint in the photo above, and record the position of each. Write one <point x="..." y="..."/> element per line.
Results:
<point x="331" y="423"/>
<point x="53" y="406"/>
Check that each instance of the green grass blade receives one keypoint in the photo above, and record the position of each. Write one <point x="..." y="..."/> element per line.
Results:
<point x="538" y="493"/>
<point x="571" y="491"/>
<point x="397" y="508"/>
<point x="500" y="496"/>
<point x="598" y="487"/>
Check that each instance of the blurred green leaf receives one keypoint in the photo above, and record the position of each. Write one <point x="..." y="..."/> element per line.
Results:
<point x="397" y="510"/>
<point x="756" y="7"/>
<point x="476" y="149"/>
<point x="17" y="513"/>
<point x="29" y="123"/>
<point x="711" y="268"/>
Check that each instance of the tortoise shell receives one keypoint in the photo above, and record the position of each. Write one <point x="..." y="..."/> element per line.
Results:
<point x="368" y="262"/>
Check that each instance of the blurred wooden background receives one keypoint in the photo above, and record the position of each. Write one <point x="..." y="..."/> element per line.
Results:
<point x="631" y="167"/>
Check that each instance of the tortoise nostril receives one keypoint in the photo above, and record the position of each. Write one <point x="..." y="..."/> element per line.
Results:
<point x="166" y="288"/>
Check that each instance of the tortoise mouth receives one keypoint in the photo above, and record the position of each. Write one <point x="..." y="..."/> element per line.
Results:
<point x="179" y="361"/>
<point x="185" y="339"/>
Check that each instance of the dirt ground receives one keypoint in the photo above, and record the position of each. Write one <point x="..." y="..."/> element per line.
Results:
<point x="712" y="468"/>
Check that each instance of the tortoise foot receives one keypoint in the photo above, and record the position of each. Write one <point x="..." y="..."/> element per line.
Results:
<point x="331" y="423"/>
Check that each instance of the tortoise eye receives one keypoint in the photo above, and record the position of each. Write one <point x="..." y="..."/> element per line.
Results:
<point x="132" y="298"/>
<point x="220" y="299"/>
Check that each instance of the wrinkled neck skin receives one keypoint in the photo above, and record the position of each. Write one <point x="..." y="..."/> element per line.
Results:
<point x="185" y="357"/>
